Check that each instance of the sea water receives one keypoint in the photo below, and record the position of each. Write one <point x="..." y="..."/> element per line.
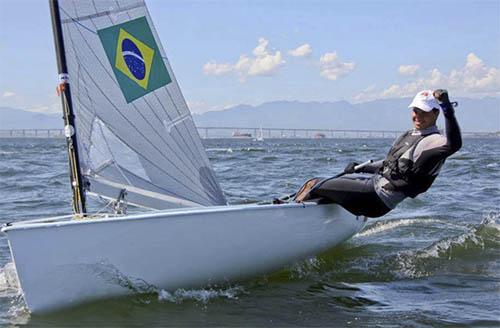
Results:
<point x="433" y="261"/>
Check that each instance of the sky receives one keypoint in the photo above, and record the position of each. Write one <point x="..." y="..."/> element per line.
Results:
<point x="226" y="53"/>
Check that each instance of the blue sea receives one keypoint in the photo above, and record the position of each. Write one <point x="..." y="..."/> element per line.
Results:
<point x="432" y="262"/>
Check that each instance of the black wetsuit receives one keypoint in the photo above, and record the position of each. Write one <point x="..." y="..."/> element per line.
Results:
<point x="411" y="166"/>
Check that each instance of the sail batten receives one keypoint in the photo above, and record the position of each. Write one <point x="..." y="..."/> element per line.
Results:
<point x="130" y="112"/>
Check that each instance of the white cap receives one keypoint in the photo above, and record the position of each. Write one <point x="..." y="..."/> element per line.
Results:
<point x="425" y="101"/>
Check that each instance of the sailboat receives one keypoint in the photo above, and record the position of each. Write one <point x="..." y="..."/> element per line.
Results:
<point x="131" y="140"/>
<point x="260" y="136"/>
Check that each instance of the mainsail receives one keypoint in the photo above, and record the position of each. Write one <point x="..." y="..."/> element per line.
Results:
<point x="134" y="129"/>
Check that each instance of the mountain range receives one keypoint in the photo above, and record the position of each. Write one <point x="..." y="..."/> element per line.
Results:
<point x="474" y="115"/>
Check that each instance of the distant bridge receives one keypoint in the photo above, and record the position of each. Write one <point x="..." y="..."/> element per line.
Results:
<point x="252" y="132"/>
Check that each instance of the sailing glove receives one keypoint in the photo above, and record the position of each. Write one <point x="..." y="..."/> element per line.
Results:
<point x="444" y="101"/>
<point x="350" y="168"/>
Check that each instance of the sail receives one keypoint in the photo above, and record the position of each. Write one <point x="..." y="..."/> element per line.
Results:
<point x="133" y="126"/>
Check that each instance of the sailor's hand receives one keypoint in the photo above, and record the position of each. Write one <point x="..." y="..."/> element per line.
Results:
<point x="350" y="168"/>
<point x="442" y="97"/>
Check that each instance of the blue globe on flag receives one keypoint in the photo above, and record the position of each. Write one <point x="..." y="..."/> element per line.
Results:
<point x="133" y="59"/>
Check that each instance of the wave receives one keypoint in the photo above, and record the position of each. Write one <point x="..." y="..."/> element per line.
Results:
<point x="369" y="262"/>
<point x="10" y="172"/>
<point x="326" y="159"/>
<point x="479" y="243"/>
<point x="382" y="226"/>
<point x="254" y="149"/>
<point x="219" y="150"/>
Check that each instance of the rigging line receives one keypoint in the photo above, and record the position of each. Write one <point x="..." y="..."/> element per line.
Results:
<point x="200" y="164"/>
<point x="103" y="13"/>
<point x="193" y="169"/>
<point x="203" y="196"/>
<point x="167" y="144"/>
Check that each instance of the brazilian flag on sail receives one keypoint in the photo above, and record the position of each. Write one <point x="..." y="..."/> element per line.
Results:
<point x="135" y="58"/>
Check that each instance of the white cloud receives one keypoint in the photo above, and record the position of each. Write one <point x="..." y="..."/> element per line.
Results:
<point x="52" y="108"/>
<point x="474" y="79"/>
<point x="301" y="51"/>
<point x="332" y="68"/>
<point x="212" y="68"/>
<point x="199" y="107"/>
<point x="261" y="63"/>
<point x="8" y="94"/>
<point x="408" y="69"/>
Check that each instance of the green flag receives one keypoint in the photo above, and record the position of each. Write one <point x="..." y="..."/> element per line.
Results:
<point x="135" y="58"/>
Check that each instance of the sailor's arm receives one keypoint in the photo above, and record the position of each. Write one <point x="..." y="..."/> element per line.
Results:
<point x="372" y="167"/>
<point x="453" y="135"/>
<point x="431" y="153"/>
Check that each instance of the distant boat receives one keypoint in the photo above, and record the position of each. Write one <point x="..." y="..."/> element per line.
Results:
<point x="319" y="136"/>
<point x="238" y="134"/>
<point x="260" y="137"/>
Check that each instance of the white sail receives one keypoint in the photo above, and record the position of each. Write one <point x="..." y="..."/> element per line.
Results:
<point x="133" y="125"/>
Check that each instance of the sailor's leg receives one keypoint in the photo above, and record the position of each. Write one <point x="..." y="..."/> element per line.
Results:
<point x="356" y="194"/>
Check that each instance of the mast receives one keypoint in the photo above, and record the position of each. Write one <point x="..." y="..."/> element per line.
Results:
<point x="69" y="118"/>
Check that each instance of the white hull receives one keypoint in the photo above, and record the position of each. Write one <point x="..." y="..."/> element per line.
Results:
<point x="66" y="262"/>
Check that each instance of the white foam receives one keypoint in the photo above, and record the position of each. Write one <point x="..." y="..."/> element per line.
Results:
<point x="9" y="284"/>
<point x="219" y="150"/>
<point x="304" y="268"/>
<point x="200" y="295"/>
<point x="392" y="224"/>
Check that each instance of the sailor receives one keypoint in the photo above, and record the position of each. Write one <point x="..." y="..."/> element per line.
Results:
<point x="410" y="168"/>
